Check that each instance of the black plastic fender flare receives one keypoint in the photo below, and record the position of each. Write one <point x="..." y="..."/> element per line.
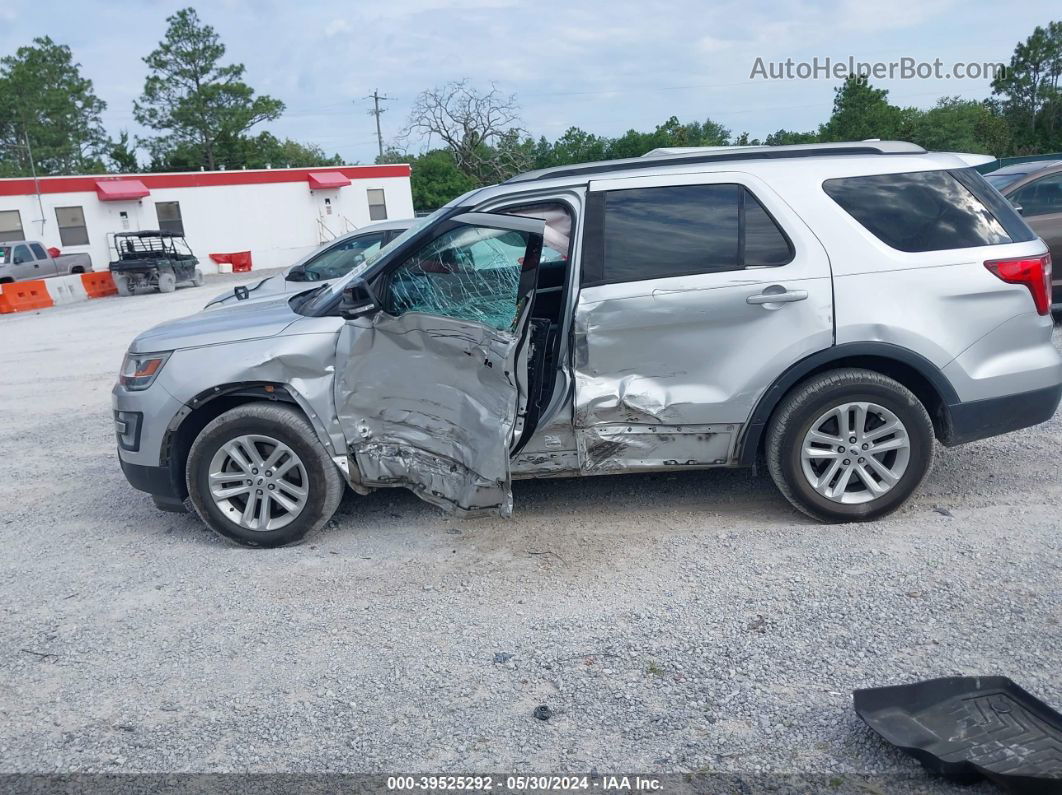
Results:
<point x="749" y="442"/>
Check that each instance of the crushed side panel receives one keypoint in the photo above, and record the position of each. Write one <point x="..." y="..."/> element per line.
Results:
<point x="430" y="403"/>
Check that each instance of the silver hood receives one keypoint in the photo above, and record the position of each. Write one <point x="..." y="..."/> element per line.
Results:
<point x="241" y="321"/>
<point x="263" y="290"/>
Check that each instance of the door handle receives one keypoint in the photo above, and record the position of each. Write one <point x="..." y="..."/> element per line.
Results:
<point x="781" y="296"/>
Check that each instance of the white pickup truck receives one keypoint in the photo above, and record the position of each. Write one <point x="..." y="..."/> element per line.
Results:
<point x="28" y="259"/>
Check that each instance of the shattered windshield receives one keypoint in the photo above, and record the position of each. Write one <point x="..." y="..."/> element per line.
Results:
<point x="469" y="273"/>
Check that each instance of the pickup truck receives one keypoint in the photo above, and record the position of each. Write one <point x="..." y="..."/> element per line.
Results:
<point x="28" y="259"/>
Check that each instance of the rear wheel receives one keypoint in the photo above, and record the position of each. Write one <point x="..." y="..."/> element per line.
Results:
<point x="124" y="285"/>
<point x="849" y="445"/>
<point x="167" y="282"/>
<point x="258" y="475"/>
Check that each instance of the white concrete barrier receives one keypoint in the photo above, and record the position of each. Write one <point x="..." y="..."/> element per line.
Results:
<point x="66" y="289"/>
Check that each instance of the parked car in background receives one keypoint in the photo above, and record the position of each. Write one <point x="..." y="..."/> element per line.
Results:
<point x="1004" y="177"/>
<point x="1036" y="188"/>
<point x="153" y="260"/>
<point x="331" y="261"/>
<point x="831" y="308"/>
<point x="28" y="259"/>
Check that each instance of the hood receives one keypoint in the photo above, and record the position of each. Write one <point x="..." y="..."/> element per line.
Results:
<point x="269" y="287"/>
<point x="265" y="291"/>
<point x="244" y="320"/>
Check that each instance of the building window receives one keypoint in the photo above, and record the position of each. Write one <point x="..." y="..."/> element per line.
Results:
<point x="169" y="214"/>
<point x="11" y="225"/>
<point x="377" y="205"/>
<point x="72" y="230"/>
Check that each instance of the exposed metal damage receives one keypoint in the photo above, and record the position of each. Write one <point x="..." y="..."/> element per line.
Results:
<point x="646" y="412"/>
<point x="447" y="440"/>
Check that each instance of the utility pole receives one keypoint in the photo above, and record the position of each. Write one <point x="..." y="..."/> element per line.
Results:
<point x="376" y="111"/>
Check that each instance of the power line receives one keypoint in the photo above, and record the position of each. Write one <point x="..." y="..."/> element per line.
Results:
<point x="376" y="111"/>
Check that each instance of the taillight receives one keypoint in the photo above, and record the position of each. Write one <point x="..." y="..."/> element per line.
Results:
<point x="1033" y="272"/>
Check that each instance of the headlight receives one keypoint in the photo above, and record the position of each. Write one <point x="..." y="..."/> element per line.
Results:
<point x="140" y="369"/>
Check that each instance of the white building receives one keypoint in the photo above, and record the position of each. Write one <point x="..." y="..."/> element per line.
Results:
<point x="277" y="214"/>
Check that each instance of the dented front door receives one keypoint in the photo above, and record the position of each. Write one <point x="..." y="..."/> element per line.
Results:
<point x="428" y="390"/>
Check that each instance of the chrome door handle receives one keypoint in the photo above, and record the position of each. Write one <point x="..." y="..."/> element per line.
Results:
<point x="783" y="297"/>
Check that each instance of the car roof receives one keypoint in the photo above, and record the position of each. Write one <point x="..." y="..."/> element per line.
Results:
<point x="1027" y="167"/>
<point x="381" y="226"/>
<point x="817" y="162"/>
<point x="703" y="155"/>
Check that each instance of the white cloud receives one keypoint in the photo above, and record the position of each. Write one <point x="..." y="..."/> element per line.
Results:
<point x="335" y="27"/>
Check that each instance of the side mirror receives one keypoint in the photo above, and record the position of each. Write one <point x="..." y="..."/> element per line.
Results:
<point x="358" y="300"/>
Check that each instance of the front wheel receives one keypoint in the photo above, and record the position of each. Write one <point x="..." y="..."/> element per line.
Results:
<point x="167" y="282"/>
<point x="124" y="285"/>
<point x="197" y="278"/>
<point x="258" y="475"/>
<point x="849" y="445"/>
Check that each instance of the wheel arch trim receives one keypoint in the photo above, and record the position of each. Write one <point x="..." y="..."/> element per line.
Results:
<point x="752" y="434"/>
<point x="265" y="391"/>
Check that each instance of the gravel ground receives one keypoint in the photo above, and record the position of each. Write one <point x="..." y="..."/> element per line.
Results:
<point x="682" y="622"/>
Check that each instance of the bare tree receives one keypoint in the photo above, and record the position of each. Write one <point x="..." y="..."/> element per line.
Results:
<point x="481" y="129"/>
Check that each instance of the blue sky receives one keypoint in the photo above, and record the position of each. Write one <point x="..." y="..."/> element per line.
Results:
<point x="603" y="65"/>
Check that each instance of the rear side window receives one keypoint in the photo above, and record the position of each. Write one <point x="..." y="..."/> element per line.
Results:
<point x="653" y="233"/>
<point x="930" y="210"/>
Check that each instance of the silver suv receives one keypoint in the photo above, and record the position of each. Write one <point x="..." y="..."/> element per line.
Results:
<point x="828" y="309"/>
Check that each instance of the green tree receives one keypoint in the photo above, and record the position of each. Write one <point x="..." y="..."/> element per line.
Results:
<point x="861" y="111"/>
<point x="435" y="177"/>
<point x="954" y="125"/>
<point x="790" y="137"/>
<point x="43" y="97"/>
<point x="574" y="146"/>
<point x="196" y="102"/>
<point x="122" y="155"/>
<point x="671" y="133"/>
<point x="1029" y="93"/>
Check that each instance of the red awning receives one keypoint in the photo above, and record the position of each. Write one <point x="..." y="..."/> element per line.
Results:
<point x="327" y="180"/>
<point x="120" y="190"/>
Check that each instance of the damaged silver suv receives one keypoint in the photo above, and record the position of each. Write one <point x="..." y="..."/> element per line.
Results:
<point x="830" y="309"/>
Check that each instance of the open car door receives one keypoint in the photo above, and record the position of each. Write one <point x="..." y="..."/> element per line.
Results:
<point x="430" y="389"/>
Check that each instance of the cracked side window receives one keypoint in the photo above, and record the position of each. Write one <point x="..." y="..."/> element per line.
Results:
<point x="469" y="273"/>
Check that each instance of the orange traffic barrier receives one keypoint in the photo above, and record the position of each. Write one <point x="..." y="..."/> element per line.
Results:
<point x="23" y="296"/>
<point x="97" y="285"/>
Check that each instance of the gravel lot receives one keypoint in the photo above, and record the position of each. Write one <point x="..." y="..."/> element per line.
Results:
<point x="682" y="622"/>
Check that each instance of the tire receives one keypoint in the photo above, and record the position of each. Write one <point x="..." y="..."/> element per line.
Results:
<point x="197" y="278"/>
<point x="265" y="427"/>
<point x="167" y="282"/>
<point x="123" y="285"/>
<point x="845" y="494"/>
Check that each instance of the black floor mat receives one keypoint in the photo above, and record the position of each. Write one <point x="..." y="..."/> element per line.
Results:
<point x="968" y="727"/>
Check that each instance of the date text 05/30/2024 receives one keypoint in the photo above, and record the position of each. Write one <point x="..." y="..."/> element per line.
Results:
<point x="528" y="783"/>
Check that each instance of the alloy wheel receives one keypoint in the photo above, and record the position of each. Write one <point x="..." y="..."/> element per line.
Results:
<point x="258" y="482"/>
<point x="855" y="452"/>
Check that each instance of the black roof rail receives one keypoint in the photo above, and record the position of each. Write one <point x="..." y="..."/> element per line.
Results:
<point x="720" y="155"/>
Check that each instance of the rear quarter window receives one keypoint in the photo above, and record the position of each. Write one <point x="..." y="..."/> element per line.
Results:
<point x="930" y="210"/>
